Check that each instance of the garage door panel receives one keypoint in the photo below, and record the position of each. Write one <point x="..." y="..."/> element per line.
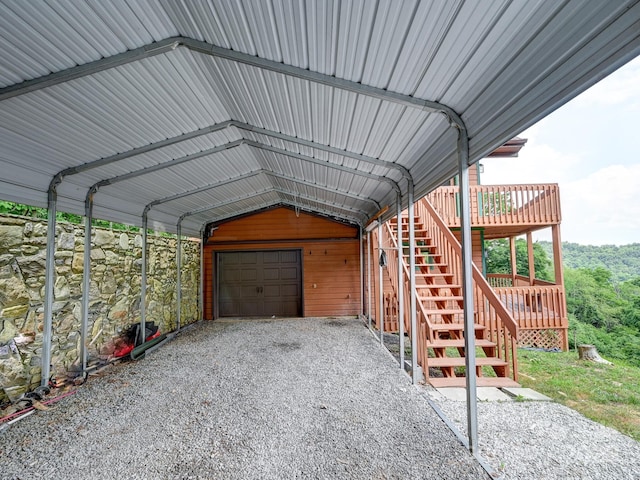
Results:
<point x="272" y="291"/>
<point x="250" y="258"/>
<point x="249" y="275"/>
<point x="271" y="257"/>
<point x="289" y="273"/>
<point x="271" y="274"/>
<point x="289" y="257"/>
<point x="290" y="291"/>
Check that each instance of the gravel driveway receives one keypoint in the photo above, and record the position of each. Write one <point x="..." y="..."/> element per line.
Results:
<point x="273" y="399"/>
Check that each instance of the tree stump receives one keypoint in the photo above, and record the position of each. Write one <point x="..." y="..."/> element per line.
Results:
<point x="590" y="353"/>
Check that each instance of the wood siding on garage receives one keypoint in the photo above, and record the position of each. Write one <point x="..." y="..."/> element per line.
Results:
<point x="329" y="253"/>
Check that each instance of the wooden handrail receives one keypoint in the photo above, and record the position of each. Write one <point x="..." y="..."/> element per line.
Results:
<point x="501" y="312"/>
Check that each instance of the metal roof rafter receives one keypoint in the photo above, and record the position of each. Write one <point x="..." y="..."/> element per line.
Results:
<point x="323" y="163"/>
<point x="257" y="194"/>
<point x="272" y="174"/>
<point x="169" y="44"/>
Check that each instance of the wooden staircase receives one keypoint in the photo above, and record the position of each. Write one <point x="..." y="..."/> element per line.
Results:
<point x="440" y="315"/>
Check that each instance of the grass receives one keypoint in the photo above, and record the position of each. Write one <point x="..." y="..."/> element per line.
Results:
<point x="608" y="394"/>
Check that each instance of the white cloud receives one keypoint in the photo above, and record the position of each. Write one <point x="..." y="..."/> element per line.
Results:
<point x="602" y="207"/>
<point x="619" y="88"/>
<point x="537" y="163"/>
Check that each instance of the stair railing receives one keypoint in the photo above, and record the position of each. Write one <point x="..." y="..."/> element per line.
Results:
<point x="489" y="309"/>
<point x="423" y="324"/>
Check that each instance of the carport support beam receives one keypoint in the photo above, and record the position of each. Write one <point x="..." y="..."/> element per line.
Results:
<point x="412" y="285"/>
<point x="143" y="282"/>
<point x="201" y="296"/>
<point x="400" y="282"/>
<point x="48" y="282"/>
<point x="86" y="277"/>
<point x="179" y="275"/>
<point x="361" y="271"/>
<point x="467" y="292"/>
<point x="369" y="277"/>
<point x="380" y="284"/>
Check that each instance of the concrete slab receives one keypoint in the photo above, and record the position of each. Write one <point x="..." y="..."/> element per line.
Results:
<point x="485" y="394"/>
<point x="526" y="394"/>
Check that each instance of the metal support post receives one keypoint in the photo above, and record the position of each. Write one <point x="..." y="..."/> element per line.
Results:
<point x="369" y="278"/>
<point x="48" y="282"/>
<point x="86" y="277"/>
<point x="201" y="292"/>
<point x="400" y="281"/>
<point x="381" y="285"/>
<point x="179" y="276"/>
<point x="412" y="286"/>
<point x="467" y="292"/>
<point x="143" y="282"/>
<point x="361" y="271"/>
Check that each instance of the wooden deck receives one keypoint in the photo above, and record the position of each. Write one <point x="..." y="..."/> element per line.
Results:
<point x="501" y="210"/>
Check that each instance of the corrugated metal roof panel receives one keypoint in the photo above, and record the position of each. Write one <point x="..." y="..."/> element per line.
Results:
<point x="500" y="65"/>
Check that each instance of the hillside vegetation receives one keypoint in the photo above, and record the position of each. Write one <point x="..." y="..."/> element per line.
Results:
<point x="603" y="302"/>
<point x="622" y="261"/>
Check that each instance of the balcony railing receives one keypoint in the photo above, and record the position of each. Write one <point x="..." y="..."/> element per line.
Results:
<point x="493" y="205"/>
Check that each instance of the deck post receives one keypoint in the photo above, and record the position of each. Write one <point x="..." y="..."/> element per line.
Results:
<point x="532" y="266"/>
<point x="86" y="277"/>
<point x="412" y="284"/>
<point x="52" y="199"/>
<point x="179" y="275"/>
<point x="514" y="264"/>
<point x="369" y="278"/>
<point x="400" y="281"/>
<point x="381" y="285"/>
<point x="143" y="283"/>
<point x="467" y="292"/>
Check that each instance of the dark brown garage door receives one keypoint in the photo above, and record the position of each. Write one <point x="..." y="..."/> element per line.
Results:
<point x="259" y="283"/>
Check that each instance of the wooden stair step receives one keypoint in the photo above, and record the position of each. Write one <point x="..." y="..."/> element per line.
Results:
<point x="454" y="327"/>
<point x="434" y="274"/>
<point x="498" y="382"/>
<point x="445" y="311"/>
<point x="435" y="298"/>
<point x="433" y="286"/>
<point x="460" y="362"/>
<point x="458" y="343"/>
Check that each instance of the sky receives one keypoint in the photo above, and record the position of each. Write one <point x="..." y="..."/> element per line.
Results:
<point x="590" y="147"/>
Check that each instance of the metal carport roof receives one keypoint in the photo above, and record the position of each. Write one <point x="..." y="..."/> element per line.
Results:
<point x="184" y="113"/>
<point x="205" y="109"/>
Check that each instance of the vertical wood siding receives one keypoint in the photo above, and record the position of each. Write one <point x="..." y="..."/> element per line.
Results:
<point x="330" y="257"/>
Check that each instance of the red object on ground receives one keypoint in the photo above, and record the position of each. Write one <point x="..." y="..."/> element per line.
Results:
<point x="125" y="349"/>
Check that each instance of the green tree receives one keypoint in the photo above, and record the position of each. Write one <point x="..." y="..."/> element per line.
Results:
<point x="591" y="297"/>
<point x="499" y="258"/>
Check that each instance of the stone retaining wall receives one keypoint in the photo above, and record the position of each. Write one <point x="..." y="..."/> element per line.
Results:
<point x="114" y="301"/>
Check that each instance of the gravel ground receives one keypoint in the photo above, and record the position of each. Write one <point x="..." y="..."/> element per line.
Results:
<point x="314" y="398"/>
<point x="546" y="440"/>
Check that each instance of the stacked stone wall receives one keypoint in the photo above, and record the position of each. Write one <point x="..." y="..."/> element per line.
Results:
<point x="115" y="283"/>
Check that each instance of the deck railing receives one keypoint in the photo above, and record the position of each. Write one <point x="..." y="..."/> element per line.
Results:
<point x="540" y="309"/>
<point x="500" y="204"/>
<point x="389" y="241"/>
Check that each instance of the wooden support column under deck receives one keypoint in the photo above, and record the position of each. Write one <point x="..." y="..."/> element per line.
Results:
<point x="532" y="268"/>
<point x="514" y="266"/>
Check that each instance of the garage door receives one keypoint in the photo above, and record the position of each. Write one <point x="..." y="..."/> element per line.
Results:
<point x="259" y="283"/>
